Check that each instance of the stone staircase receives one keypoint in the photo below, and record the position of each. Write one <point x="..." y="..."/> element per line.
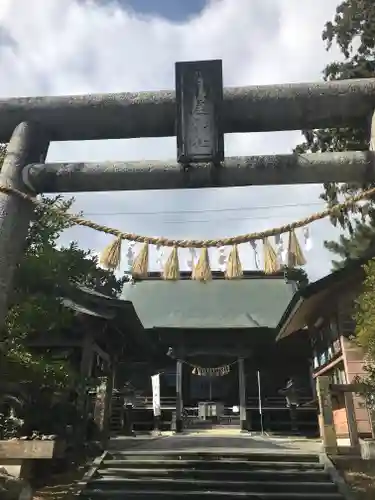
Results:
<point x="184" y="474"/>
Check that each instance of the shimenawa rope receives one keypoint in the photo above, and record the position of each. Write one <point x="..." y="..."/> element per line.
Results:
<point x="166" y="242"/>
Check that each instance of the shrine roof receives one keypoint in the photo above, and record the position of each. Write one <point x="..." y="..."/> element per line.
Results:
<point x="256" y="301"/>
<point x="309" y="299"/>
<point x="87" y="301"/>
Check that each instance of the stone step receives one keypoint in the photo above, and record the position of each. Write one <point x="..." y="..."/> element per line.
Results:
<point x="166" y="484"/>
<point x="227" y="495"/>
<point x="259" y="474"/>
<point x="212" y="464"/>
<point x="219" y="456"/>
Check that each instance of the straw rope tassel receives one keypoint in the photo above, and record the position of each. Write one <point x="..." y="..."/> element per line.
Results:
<point x="153" y="240"/>
<point x="111" y="255"/>
<point x="140" y="264"/>
<point x="270" y="257"/>
<point x="202" y="269"/>
<point x="234" y="266"/>
<point x="295" y="254"/>
<point x="172" y="266"/>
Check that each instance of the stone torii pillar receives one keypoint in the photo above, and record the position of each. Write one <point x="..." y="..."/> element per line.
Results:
<point x="326" y="421"/>
<point x="28" y="144"/>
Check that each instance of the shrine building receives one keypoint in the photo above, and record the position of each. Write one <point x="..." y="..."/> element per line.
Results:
<point x="323" y="312"/>
<point x="215" y="342"/>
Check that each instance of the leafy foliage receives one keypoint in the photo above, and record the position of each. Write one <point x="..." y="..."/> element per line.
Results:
<point x="45" y="272"/>
<point x="353" y="30"/>
<point x="365" y="329"/>
<point x="359" y="244"/>
<point x="298" y="275"/>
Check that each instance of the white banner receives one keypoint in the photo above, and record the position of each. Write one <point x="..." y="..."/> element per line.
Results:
<point x="155" y="381"/>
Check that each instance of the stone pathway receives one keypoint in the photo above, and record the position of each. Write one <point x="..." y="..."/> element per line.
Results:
<point x="217" y="440"/>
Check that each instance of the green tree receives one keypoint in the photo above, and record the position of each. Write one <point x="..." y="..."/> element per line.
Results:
<point x="298" y="275"/>
<point x="357" y="244"/>
<point x="44" y="274"/>
<point x="353" y="30"/>
<point x="365" y="330"/>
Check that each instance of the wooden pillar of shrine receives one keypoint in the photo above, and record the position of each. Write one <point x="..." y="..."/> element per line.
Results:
<point x="179" y="398"/>
<point x="87" y="357"/>
<point x="242" y="394"/>
<point x="103" y="403"/>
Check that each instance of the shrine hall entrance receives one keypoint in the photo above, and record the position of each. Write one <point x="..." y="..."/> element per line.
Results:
<point x="215" y="401"/>
<point x="213" y="393"/>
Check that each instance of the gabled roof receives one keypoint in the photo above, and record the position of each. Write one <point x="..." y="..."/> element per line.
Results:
<point x="252" y="302"/>
<point x="306" y="299"/>
<point x="84" y="300"/>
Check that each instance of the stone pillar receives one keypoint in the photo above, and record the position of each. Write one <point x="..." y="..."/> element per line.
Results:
<point x="242" y="394"/>
<point x="352" y="422"/>
<point x="99" y="406"/>
<point x="179" y="398"/>
<point x="28" y="144"/>
<point x="326" y="423"/>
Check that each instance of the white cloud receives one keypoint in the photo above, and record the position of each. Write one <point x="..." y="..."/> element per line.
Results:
<point x="67" y="47"/>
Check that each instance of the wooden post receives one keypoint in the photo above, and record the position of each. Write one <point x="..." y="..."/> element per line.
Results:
<point x="27" y="144"/>
<point x="242" y="394"/>
<point x="106" y="409"/>
<point x="85" y="372"/>
<point x="327" y="426"/>
<point x="87" y="357"/>
<point x="352" y="422"/>
<point x="179" y="398"/>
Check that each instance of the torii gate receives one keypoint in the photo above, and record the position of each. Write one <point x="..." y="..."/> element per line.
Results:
<point x="199" y="112"/>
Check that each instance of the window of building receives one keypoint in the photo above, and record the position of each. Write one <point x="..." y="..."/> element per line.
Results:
<point x="325" y="342"/>
<point x="334" y="328"/>
<point x="345" y="316"/>
<point x="338" y="375"/>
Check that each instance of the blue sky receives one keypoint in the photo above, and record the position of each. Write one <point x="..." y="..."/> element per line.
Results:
<point x="173" y="10"/>
<point x="65" y="47"/>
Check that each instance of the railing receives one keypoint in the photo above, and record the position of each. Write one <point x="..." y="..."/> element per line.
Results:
<point x="252" y="403"/>
<point x="273" y="421"/>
